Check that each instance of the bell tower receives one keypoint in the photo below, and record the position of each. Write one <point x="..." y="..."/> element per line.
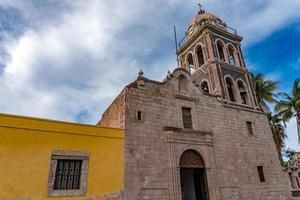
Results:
<point x="211" y="52"/>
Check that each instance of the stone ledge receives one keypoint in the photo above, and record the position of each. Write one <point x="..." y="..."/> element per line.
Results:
<point x="296" y="193"/>
<point x="241" y="107"/>
<point x="211" y="95"/>
<point x="183" y="97"/>
<point x="184" y="130"/>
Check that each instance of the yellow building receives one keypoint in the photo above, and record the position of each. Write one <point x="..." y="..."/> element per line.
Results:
<point x="46" y="159"/>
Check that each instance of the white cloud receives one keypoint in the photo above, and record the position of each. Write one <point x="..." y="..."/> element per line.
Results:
<point x="256" y="19"/>
<point x="274" y="76"/>
<point x="75" y="56"/>
<point x="292" y="140"/>
<point x="58" y="70"/>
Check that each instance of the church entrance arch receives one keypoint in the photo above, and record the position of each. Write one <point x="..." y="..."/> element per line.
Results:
<point x="193" y="176"/>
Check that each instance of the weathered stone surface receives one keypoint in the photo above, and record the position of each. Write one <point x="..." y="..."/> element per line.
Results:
<point x="114" y="115"/>
<point x="155" y="143"/>
<point x="231" y="155"/>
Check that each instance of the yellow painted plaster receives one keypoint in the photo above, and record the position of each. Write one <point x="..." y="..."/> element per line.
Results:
<point x="26" y="145"/>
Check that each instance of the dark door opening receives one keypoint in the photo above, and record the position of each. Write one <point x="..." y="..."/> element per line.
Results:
<point x="193" y="184"/>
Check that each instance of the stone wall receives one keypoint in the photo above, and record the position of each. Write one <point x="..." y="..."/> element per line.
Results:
<point x="114" y="114"/>
<point x="154" y="145"/>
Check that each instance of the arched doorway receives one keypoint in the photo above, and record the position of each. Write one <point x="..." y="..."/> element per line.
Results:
<point x="193" y="176"/>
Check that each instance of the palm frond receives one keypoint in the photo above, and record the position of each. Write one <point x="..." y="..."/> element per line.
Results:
<point x="286" y="114"/>
<point x="297" y="105"/>
<point x="284" y="95"/>
<point x="296" y="88"/>
<point x="265" y="90"/>
<point x="278" y="130"/>
<point x="281" y="105"/>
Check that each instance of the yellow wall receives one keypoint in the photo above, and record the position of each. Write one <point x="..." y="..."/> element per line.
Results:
<point x="26" y="145"/>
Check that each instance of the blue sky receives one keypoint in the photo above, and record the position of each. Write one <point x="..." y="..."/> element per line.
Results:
<point x="68" y="60"/>
<point x="277" y="56"/>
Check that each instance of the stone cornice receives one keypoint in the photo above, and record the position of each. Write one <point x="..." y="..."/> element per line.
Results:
<point x="184" y="130"/>
<point x="242" y="107"/>
<point x="184" y="97"/>
<point x="207" y="28"/>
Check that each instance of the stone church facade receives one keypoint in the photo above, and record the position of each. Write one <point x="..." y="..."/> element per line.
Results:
<point x="199" y="134"/>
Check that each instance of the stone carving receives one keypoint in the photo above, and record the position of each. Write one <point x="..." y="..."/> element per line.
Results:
<point x="191" y="159"/>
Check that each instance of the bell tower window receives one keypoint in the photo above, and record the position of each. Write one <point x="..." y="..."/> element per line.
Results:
<point x="230" y="89"/>
<point x="231" y="51"/>
<point x="243" y="92"/>
<point x="204" y="87"/>
<point x="220" y="48"/>
<point x="200" y="55"/>
<point x="190" y="63"/>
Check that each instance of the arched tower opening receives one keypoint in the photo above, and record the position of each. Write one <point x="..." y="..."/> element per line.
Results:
<point x="190" y="63"/>
<point x="243" y="92"/>
<point x="230" y="89"/>
<point x="231" y="52"/>
<point x="220" y="48"/>
<point x="204" y="86"/>
<point x="200" y="56"/>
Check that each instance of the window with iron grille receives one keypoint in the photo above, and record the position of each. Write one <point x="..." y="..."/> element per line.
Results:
<point x="67" y="175"/>
<point x="261" y="175"/>
<point x="187" y="117"/>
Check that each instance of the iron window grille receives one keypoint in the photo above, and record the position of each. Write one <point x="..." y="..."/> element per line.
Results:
<point x="67" y="175"/>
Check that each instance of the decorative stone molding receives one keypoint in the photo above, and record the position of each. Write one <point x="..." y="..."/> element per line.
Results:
<point x="236" y="106"/>
<point x="187" y="136"/>
<point x="183" y="97"/>
<point x="191" y="159"/>
<point x="176" y="150"/>
<point x="184" y="130"/>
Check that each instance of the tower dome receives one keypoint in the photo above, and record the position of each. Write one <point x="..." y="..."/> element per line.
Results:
<point x="205" y="18"/>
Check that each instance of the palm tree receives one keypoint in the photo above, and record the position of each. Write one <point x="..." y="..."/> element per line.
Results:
<point x="289" y="154"/>
<point x="265" y="93"/>
<point x="278" y="130"/>
<point x="264" y="90"/>
<point x="289" y="106"/>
